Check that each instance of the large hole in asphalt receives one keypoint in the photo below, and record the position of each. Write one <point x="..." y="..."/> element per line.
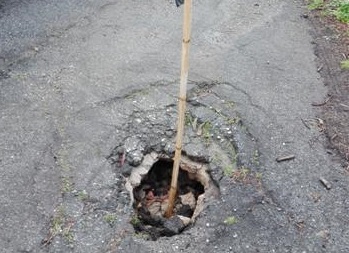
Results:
<point x="150" y="196"/>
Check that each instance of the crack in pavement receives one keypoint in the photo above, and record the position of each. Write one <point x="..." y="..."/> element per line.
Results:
<point x="208" y="89"/>
<point x="127" y="94"/>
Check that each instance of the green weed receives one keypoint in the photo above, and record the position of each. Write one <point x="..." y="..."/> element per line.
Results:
<point x="345" y="64"/>
<point x="142" y="236"/>
<point x="67" y="233"/>
<point x="110" y="218"/>
<point x="67" y="185"/>
<point x="342" y="11"/>
<point x="83" y="196"/>
<point x="229" y="104"/>
<point x="228" y="170"/>
<point x="259" y="176"/>
<point x="255" y="158"/>
<point x="188" y="119"/>
<point x="60" y="225"/>
<point x="135" y="221"/>
<point x="315" y="4"/>
<point x="57" y="222"/>
<point x="134" y="94"/>
<point x="231" y="220"/>
<point x="233" y="121"/>
<point x="241" y="174"/>
<point x="206" y="129"/>
<point x="338" y="8"/>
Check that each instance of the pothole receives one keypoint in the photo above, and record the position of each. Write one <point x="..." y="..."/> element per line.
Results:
<point x="149" y="185"/>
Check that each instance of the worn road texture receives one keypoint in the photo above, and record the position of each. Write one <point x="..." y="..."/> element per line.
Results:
<point x="79" y="78"/>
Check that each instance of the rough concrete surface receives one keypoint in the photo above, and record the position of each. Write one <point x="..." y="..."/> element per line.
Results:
<point x="81" y="81"/>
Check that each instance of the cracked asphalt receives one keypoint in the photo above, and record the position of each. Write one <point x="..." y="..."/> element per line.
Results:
<point x="80" y="79"/>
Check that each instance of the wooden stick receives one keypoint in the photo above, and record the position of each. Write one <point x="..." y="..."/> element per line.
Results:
<point x="285" y="158"/>
<point x="181" y="105"/>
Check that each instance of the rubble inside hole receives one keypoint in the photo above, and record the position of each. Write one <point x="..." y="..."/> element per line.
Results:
<point x="150" y="186"/>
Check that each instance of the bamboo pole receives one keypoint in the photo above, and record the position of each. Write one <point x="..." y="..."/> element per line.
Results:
<point x="181" y="105"/>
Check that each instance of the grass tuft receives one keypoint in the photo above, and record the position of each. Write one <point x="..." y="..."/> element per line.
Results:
<point x="231" y="220"/>
<point x="337" y="8"/>
<point x="345" y="64"/>
<point x="110" y="218"/>
<point x="342" y="11"/>
<point x="229" y="170"/>
<point x="316" y="4"/>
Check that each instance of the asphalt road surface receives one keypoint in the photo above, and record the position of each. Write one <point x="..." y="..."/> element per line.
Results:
<point x="78" y="78"/>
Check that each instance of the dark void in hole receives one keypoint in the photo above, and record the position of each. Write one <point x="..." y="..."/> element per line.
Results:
<point x="151" y="201"/>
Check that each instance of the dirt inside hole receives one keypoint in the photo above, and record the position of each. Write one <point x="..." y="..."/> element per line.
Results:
<point x="151" y="201"/>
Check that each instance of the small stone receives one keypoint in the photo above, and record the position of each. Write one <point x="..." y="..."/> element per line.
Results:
<point x="135" y="158"/>
<point x="155" y="209"/>
<point x="131" y="144"/>
<point x="173" y="226"/>
<point x="186" y="221"/>
<point x="126" y="170"/>
<point x="188" y="199"/>
<point x="324" y="234"/>
<point x="164" y="205"/>
<point x="169" y="148"/>
<point x="325" y="183"/>
<point x="169" y="133"/>
<point x="184" y="210"/>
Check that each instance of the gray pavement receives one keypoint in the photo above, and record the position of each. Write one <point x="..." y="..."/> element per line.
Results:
<point x="81" y="78"/>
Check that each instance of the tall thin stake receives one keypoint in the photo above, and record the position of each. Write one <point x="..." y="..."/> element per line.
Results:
<point x="181" y="105"/>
